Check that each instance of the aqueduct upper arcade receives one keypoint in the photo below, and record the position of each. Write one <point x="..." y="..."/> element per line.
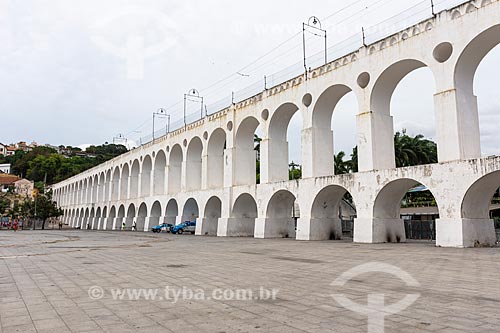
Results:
<point x="207" y="169"/>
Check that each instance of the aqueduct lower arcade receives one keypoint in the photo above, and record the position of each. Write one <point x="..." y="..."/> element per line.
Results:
<point x="206" y="171"/>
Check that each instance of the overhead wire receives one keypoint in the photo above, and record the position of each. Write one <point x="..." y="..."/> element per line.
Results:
<point x="220" y="85"/>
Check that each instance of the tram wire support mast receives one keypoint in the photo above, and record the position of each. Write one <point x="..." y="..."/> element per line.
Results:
<point x="162" y="114"/>
<point x="193" y="96"/>
<point x="313" y="26"/>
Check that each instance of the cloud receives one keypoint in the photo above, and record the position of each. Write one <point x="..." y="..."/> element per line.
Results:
<point x="68" y="91"/>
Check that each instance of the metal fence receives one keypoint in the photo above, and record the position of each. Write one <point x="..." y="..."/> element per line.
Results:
<point x="421" y="230"/>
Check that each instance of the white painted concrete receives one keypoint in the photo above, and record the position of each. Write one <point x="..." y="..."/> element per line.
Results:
<point x="181" y="173"/>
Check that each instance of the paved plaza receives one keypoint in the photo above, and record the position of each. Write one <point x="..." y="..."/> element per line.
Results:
<point x="45" y="278"/>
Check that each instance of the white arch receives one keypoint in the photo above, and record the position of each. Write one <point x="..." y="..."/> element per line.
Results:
<point x="212" y="213"/>
<point x="159" y="173"/>
<point x="193" y="164"/>
<point x="322" y="136"/>
<point x="146" y="176"/>
<point x="175" y="169"/>
<point x="245" y="159"/>
<point x="215" y="158"/>
<point x="134" y="179"/>
<point x="171" y="211"/>
<point x="124" y="178"/>
<point x="277" y="156"/>
<point x="115" y="184"/>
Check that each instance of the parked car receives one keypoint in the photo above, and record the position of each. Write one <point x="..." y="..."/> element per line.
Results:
<point x="188" y="226"/>
<point x="162" y="227"/>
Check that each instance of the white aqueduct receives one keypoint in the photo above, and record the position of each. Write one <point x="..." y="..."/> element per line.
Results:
<point x="207" y="169"/>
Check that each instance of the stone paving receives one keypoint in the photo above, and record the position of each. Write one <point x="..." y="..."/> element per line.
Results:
<point x="45" y="278"/>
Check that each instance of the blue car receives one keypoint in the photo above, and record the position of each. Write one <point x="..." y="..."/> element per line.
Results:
<point x="162" y="227"/>
<point x="188" y="226"/>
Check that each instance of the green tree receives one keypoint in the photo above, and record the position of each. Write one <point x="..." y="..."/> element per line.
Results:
<point x="341" y="166"/>
<point x="256" y="142"/>
<point x="294" y="171"/>
<point x="44" y="164"/>
<point x="42" y="207"/>
<point x="353" y="163"/>
<point x="408" y="151"/>
<point x="415" y="150"/>
<point x="4" y="203"/>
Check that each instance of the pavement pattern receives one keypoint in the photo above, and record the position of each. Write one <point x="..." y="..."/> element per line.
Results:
<point x="71" y="281"/>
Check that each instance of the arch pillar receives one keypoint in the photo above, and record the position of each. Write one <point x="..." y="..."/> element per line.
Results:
<point x="275" y="227"/>
<point x="228" y="166"/>
<point x="378" y="230"/>
<point x="375" y="141"/>
<point x="205" y="226"/>
<point x="152" y="182"/>
<point x="116" y="223"/>
<point x="120" y="184"/>
<point x="139" y="185"/>
<point x="465" y="232"/>
<point x="94" y="225"/>
<point x="457" y="125"/>
<point x="184" y="169"/>
<point x="273" y="169"/>
<point x="204" y="170"/>
<point x="102" y="223"/>
<point x="127" y="195"/>
<point x="147" y="220"/>
<point x="246" y="172"/>
<point x="310" y="228"/>
<point x="235" y="227"/>
<point x="315" y="162"/>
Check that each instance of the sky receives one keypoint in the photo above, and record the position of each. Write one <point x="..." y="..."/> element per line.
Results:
<point x="86" y="72"/>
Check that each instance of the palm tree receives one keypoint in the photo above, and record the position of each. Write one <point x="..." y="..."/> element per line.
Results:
<point x="256" y="142"/>
<point x="340" y="166"/>
<point x="415" y="150"/>
<point x="408" y="151"/>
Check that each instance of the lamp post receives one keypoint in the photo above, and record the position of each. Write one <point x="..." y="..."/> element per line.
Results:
<point x="312" y="26"/>
<point x="160" y="113"/>
<point x="119" y="137"/>
<point x="193" y="96"/>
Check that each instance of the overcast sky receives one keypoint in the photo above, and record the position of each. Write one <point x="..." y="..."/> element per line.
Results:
<point x="83" y="71"/>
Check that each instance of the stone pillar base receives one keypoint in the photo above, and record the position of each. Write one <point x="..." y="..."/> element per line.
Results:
<point x="147" y="222"/>
<point x="236" y="227"/>
<point x="116" y="223"/>
<point x="129" y="222"/>
<point x="274" y="227"/>
<point x="102" y="223"/>
<point x="94" y="223"/>
<point x="319" y="229"/>
<point x="465" y="232"/>
<point x="373" y="230"/>
<point x="206" y="226"/>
